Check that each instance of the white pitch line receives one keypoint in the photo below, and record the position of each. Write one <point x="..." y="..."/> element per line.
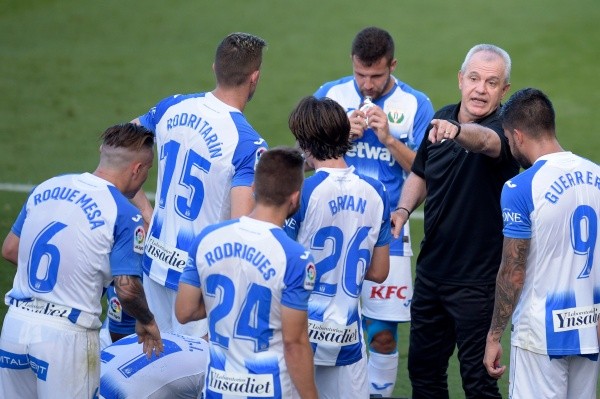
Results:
<point x="25" y="188"/>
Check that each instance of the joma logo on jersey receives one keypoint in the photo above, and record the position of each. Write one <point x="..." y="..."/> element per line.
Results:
<point x="365" y="150"/>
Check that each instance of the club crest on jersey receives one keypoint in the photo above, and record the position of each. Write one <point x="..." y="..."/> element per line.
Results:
<point x="139" y="236"/>
<point x="310" y="276"/>
<point x="395" y="117"/>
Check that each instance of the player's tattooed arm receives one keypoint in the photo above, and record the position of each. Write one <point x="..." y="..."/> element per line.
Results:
<point x="509" y="283"/>
<point x="130" y="292"/>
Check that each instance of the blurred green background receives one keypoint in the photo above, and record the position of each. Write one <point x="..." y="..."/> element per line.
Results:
<point x="69" y="69"/>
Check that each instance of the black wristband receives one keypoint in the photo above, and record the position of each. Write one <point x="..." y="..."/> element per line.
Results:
<point x="401" y="207"/>
<point x="455" y="123"/>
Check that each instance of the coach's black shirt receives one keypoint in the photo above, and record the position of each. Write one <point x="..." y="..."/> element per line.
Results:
<point x="463" y="237"/>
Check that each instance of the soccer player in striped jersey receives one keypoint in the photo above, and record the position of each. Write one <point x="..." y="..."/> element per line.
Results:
<point x="207" y="155"/>
<point x="75" y="234"/>
<point x="344" y="220"/>
<point x="252" y="282"/>
<point x="549" y="278"/>
<point x="384" y="143"/>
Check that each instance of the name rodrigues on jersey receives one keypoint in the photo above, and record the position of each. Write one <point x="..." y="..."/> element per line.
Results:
<point x="568" y="180"/>
<point x="241" y="251"/>
<point x="347" y="203"/>
<point x="257" y="385"/>
<point x="195" y="122"/>
<point x="365" y="150"/>
<point x="87" y="204"/>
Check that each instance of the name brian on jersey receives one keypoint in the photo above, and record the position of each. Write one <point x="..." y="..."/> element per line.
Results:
<point x="364" y="150"/>
<point x="198" y="124"/>
<point x="347" y="203"/>
<point x="87" y="204"/>
<point x="241" y="251"/>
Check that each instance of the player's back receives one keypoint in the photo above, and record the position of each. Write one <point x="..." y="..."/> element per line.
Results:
<point x="205" y="147"/>
<point x="559" y="213"/>
<point x="70" y="226"/>
<point x="342" y="217"/>
<point x="246" y="274"/>
<point x="178" y="372"/>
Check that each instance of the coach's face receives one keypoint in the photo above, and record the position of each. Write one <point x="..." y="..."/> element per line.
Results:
<point x="482" y="85"/>
<point x="374" y="80"/>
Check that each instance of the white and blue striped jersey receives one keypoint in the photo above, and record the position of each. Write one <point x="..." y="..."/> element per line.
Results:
<point x="248" y="270"/>
<point x="409" y="112"/>
<point x="342" y="217"/>
<point x="76" y="232"/>
<point x="556" y="205"/>
<point x="205" y="148"/>
<point x="126" y="372"/>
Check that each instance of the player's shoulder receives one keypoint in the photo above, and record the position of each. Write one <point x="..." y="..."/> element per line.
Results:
<point x="341" y="84"/>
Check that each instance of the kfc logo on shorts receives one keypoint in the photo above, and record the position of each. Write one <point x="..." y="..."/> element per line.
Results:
<point x="388" y="291"/>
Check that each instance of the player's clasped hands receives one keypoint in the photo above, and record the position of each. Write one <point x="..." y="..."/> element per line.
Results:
<point x="358" y="124"/>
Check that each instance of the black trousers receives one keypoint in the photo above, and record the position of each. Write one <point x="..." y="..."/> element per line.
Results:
<point x="444" y="317"/>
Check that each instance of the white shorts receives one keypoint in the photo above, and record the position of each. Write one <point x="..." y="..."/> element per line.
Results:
<point x="161" y="301"/>
<point x="46" y="355"/>
<point x="334" y="382"/>
<point x="533" y="375"/>
<point x="390" y="300"/>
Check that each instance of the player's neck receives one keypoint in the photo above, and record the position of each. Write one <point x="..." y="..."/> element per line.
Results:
<point x="335" y="163"/>
<point x="270" y="214"/>
<point x="235" y="97"/>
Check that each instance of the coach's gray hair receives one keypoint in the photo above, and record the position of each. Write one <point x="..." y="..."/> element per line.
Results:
<point x="490" y="48"/>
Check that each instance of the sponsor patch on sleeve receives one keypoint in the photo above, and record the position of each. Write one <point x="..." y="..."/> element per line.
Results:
<point x="310" y="276"/>
<point x="139" y="237"/>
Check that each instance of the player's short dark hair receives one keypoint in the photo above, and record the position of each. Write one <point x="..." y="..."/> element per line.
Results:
<point x="279" y="174"/>
<point x="530" y="111"/>
<point x="372" y="44"/>
<point x="321" y="127"/>
<point x="238" y="55"/>
<point x="128" y="135"/>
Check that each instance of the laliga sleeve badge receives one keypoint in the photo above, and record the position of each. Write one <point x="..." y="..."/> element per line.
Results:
<point x="139" y="237"/>
<point x="310" y="276"/>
